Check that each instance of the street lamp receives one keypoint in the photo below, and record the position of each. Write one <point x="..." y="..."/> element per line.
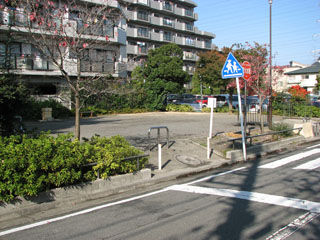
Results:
<point x="270" y="69"/>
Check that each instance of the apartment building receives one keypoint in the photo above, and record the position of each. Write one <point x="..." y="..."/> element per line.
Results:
<point x="145" y="24"/>
<point x="152" y="23"/>
<point x="33" y="66"/>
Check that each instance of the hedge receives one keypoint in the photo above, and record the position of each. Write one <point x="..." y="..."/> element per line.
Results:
<point x="32" y="165"/>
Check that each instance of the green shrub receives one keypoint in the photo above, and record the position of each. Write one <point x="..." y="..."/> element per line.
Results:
<point x="282" y="127"/>
<point x="33" y="109"/>
<point x="31" y="165"/>
<point x="110" y="154"/>
<point x="179" y="108"/>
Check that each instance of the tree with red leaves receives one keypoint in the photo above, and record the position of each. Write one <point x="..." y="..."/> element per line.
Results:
<point x="70" y="34"/>
<point x="298" y="92"/>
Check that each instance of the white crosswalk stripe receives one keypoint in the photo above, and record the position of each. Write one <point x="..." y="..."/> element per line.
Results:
<point x="311" y="165"/>
<point x="290" y="159"/>
<point x="252" y="196"/>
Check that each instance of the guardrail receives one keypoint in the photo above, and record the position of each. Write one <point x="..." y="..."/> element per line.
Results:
<point x="125" y="159"/>
<point x="233" y="140"/>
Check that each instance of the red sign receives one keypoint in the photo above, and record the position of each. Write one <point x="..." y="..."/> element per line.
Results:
<point x="246" y="70"/>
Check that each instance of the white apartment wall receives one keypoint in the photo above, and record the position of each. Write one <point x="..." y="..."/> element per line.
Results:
<point x="283" y="82"/>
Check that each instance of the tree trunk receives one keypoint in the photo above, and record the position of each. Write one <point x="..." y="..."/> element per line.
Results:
<point x="77" y="117"/>
<point x="260" y="115"/>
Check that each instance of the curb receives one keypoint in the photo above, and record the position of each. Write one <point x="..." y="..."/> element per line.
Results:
<point x="258" y="150"/>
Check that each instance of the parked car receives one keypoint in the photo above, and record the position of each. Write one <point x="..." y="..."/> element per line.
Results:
<point x="222" y="100"/>
<point x="204" y="100"/>
<point x="188" y="98"/>
<point x="253" y="104"/>
<point x="172" y="98"/>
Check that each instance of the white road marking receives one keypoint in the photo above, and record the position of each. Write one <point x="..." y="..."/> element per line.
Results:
<point x="290" y="159"/>
<point x="252" y="196"/>
<point x="314" y="146"/>
<point x="29" y="226"/>
<point x="215" y="175"/>
<point x="18" y="229"/>
<point x="294" y="226"/>
<point x="309" y="165"/>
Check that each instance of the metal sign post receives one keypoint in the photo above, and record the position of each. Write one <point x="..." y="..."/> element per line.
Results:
<point x="212" y="103"/>
<point x="241" y="122"/>
<point x="233" y="69"/>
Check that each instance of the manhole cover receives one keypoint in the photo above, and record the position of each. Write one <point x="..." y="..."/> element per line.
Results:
<point x="189" y="160"/>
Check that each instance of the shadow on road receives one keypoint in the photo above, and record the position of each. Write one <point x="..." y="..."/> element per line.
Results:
<point x="233" y="228"/>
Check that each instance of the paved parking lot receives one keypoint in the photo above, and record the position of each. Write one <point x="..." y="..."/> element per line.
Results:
<point x="136" y="126"/>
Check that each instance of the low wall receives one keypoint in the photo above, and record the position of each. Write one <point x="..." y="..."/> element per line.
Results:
<point x="254" y="151"/>
<point x="73" y="195"/>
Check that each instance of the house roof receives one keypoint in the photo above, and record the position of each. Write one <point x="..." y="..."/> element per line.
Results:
<point x="313" y="69"/>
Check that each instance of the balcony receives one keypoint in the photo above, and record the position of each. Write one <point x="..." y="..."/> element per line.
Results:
<point x="137" y="50"/>
<point x="156" y="5"/>
<point x="138" y="33"/>
<point x="97" y="67"/>
<point x="156" y="36"/>
<point x="156" y="21"/>
<point x="179" y="40"/>
<point x="189" y="56"/>
<point x="26" y="62"/>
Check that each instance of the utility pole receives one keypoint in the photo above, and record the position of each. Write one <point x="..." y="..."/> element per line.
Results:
<point x="270" y="69"/>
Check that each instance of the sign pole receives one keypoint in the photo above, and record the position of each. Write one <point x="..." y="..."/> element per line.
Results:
<point x="233" y="69"/>
<point x="212" y="103"/>
<point x="241" y="121"/>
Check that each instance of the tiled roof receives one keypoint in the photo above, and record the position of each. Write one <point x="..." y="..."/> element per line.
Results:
<point x="313" y="69"/>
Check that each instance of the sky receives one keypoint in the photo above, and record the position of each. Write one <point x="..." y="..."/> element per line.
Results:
<point x="295" y="26"/>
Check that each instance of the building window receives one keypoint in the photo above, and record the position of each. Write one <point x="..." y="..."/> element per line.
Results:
<point x="142" y="47"/>
<point x="305" y="77"/>
<point x="189" y="26"/>
<point x="207" y="43"/>
<point x="167" y="6"/>
<point x="189" y="41"/>
<point x="167" y="36"/>
<point x="143" y="32"/>
<point x="167" y="21"/>
<point x="143" y="15"/>
<point x="189" y="12"/>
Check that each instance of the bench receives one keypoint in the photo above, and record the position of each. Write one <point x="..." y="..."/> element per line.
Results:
<point x="233" y="140"/>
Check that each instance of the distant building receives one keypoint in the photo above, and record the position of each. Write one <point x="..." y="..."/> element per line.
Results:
<point x="305" y="77"/>
<point x="284" y="81"/>
<point x="152" y="23"/>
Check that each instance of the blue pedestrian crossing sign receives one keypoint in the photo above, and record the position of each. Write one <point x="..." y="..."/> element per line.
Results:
<point x="232" y="68"/>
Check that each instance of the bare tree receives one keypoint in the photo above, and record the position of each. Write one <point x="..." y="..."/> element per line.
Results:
<point x="76" y="36"/>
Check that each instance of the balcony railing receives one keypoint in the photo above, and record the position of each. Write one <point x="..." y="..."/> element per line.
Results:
<point x="94" y="66"/>
<point x="26" y="62"/>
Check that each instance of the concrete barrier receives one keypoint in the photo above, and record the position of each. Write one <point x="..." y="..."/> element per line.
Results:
<point x="72" y="195"/>
<point x="254" y="151"/>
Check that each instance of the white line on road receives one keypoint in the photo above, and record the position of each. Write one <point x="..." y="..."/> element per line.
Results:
<point x="314" y="146"/>
<point x="290" y="159"/>
<point x="214" y="176"/>
<point x="309" y="165"/>
<point x="252" y="196"/>
<point x="294" y="226"/>
<point x="22" y="228"/>
<point x="18" y="229"/>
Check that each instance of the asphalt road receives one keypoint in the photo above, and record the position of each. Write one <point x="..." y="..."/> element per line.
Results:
<point x="262" y="199"/>
<point x="135" y="126"/>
